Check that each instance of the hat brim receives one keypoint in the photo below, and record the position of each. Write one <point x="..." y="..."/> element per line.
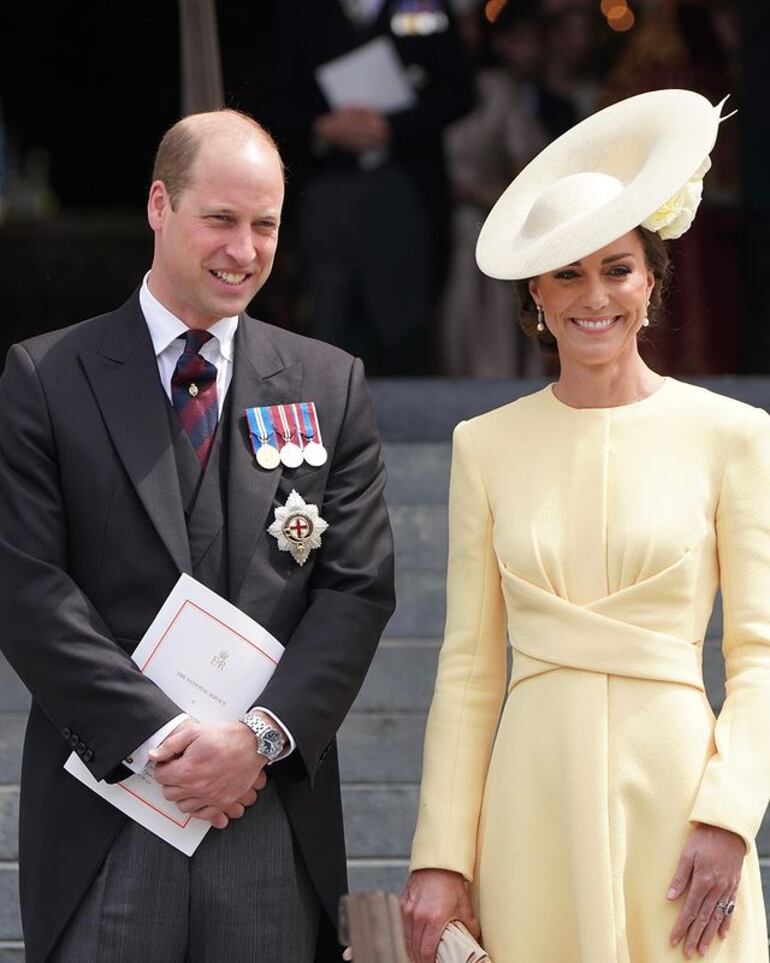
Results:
<point x="652" y="143"/>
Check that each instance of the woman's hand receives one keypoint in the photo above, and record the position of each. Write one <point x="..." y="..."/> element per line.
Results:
<point x="709" y="871"/>
<point x="431" y="899"/>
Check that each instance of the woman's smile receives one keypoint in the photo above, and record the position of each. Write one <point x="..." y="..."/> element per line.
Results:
<point x="596" y="325"/>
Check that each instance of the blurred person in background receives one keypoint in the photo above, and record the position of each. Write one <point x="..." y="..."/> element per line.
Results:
<point x="372" y="238"/>
<point x="572" y="56"/>
<point x="514" y="118"/>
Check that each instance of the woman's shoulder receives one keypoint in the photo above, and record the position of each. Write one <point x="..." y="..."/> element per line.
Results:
<point x="717" y="412"/>
<point x="522" y="411"/>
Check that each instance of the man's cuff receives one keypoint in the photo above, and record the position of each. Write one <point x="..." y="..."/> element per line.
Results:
<point x="139" y="758"/>
<point x="291" y="745"/>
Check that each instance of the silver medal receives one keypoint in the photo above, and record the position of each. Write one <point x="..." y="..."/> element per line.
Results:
<point x="268" y="457"/>
<point x="314" y="454"/>
<point x="291" y="455"/>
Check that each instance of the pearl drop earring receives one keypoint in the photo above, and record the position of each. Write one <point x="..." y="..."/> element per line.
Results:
<point x="540" y="325"/>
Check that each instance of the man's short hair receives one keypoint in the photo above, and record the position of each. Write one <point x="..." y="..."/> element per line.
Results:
<point x="180" y="144"/>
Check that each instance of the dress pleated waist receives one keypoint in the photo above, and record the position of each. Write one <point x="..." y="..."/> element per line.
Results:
<point x="548" y="632"/>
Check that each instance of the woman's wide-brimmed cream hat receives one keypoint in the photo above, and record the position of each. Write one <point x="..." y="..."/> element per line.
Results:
<point x="639" y="162"/>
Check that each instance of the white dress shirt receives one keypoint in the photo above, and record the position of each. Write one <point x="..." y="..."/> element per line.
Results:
<point x="165" y="329"/>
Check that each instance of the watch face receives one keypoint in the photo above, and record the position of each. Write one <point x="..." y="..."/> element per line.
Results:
<point x="271" y="743"/>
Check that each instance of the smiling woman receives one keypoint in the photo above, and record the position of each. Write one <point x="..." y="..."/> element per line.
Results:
<point x="657" y="261"/>
<point x="590" y="809"/>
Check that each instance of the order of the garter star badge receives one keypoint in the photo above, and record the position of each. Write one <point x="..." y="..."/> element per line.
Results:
<point x="298" y="527"/>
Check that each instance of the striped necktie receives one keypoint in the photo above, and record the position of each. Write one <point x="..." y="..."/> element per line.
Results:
<point x="194" y="393"/>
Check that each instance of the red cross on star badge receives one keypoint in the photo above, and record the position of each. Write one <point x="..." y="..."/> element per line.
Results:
<point x="297" y="527"/>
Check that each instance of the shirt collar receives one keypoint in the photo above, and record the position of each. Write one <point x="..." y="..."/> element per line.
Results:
<point x="166" y="327"/>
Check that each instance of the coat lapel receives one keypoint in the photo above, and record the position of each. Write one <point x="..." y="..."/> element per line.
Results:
<point x="123" y="374"/>
<point x="260" y="377"/>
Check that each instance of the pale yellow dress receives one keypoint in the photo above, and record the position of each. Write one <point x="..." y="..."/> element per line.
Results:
<point x="598" y="538"/>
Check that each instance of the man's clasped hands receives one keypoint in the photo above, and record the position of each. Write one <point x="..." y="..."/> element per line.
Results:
<point x="210" y="770"/>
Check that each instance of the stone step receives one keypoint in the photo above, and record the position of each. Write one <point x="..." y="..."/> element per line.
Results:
<point x="420" y="605"/>
<point x="379" y="819"/>
<point x="401" y="677"/>
<point x="10" y="918"/>
<point x="417" y="474"/>
<point x="381" y="747"/>
<point x="13" y="696"/>
<point x="11" y="951"/>
<point x="9" y="822"/>
<point x="420" y="537"/>
<point x="387" y="874"/>
<point x="12" y="725"/>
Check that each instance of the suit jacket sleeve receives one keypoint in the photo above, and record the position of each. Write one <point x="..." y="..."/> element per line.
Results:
<point x="51" y="634"/>
<point x="735" y="787"/>
<point x="470" y="684"/>
<point x="350" y="594"/>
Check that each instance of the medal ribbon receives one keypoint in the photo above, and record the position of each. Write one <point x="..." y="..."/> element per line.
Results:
<point x="306" y="434"/>
<point x="288" y="430"/>
<point x="258" y="420"/>
<point x="310" y="405"/>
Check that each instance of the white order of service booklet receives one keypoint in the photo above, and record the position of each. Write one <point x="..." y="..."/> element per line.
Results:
<point x="372" y="76"/>
<point x="213" y="661"/>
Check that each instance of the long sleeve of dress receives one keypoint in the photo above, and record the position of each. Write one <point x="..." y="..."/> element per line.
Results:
<point x="470" y="684"/>
<point x="735" y="788"/>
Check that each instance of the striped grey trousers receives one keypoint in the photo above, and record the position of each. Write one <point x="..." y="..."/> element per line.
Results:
<point x="243" y="897"/>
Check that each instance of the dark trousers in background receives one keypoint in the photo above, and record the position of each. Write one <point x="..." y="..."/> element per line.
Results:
<point x="369" y="266"/>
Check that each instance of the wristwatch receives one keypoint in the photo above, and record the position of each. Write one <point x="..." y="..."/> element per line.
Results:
<point x="270" y="742"/>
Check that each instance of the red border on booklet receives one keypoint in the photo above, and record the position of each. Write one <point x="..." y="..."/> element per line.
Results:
<point x="161" y="640"/>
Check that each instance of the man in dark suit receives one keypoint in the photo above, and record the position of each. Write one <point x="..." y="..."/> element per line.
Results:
<point x="109" y="488"/>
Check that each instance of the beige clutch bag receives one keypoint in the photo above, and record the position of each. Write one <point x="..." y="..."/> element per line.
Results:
<point x="458" y="946"/>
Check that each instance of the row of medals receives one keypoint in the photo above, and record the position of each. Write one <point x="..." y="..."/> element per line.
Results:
<point x="290" y="455"/>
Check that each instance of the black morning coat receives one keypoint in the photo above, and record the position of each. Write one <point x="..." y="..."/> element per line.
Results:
<point x="92" y="539"/>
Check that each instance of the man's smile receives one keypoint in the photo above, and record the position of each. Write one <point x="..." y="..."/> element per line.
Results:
<point x="230" y="277"/>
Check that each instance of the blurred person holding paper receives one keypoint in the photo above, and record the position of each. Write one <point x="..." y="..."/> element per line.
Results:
<point x="178" y="435"/>
<point x="361" y="93"/>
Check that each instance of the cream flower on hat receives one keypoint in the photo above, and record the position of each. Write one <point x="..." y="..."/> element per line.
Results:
<point x="673" y="218"/>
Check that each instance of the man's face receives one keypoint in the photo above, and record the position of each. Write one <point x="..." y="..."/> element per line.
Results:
<point x="215" y="251"/>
